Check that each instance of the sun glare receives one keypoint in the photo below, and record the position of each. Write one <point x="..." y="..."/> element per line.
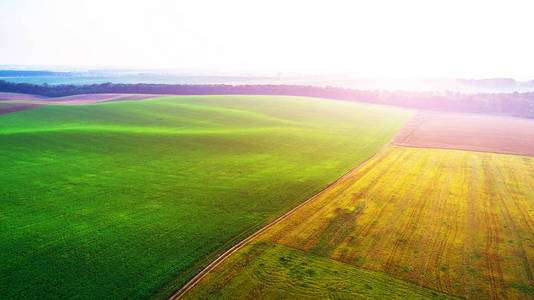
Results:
<point x="359" y="38"/>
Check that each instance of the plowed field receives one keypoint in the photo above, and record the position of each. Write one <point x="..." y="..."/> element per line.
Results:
<point x="469" y="132"/>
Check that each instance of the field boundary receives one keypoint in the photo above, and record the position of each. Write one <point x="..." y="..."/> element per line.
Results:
<point x="452" y="148"/>
<point x="196" y="279"/>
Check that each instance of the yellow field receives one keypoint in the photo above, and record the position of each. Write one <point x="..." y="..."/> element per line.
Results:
<point x="453" y="221"/>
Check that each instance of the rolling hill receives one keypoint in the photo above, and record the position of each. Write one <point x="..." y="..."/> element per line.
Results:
<point x="129" y="199"/>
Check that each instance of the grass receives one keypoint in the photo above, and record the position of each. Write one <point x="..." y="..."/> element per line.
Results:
<point x="457" y="222"/>
<point x="131" y="199"/>
<point x="266" y="270"/>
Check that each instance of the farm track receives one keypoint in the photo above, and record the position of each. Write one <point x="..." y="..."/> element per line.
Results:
<point x="197" y="278"/>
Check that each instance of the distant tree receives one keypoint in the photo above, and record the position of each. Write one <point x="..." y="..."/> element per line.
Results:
<point x="514" y="104"/>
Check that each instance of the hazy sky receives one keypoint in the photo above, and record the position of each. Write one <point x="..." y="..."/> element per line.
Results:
<point x="360" y="38"/>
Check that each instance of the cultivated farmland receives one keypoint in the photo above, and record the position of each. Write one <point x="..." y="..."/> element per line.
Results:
<point x="455" y="222"/>
<point x="19" y="97"/>
<point x="474" y="132"/>
<point x="130" y="199"/>
<point x="264" y="270"/>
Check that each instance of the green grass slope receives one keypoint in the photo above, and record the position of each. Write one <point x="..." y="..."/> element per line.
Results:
<point x="131" y="199"/>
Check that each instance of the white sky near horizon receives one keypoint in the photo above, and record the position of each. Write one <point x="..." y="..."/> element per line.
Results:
<point x="390" y="39"/>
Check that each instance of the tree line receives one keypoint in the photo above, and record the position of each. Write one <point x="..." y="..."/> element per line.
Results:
<point x="513" y="104"/>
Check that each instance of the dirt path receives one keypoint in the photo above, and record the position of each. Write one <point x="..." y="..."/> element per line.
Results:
<point x="191" y="283"/>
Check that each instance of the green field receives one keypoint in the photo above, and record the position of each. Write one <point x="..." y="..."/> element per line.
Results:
<point x="130" y="199"/>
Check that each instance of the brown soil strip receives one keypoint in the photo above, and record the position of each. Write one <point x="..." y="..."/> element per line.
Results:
<point x="482" y="133"/>
<point x="75" y="99"/>
<point x="19" y="97"/>
<point x="17" y="107"/>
